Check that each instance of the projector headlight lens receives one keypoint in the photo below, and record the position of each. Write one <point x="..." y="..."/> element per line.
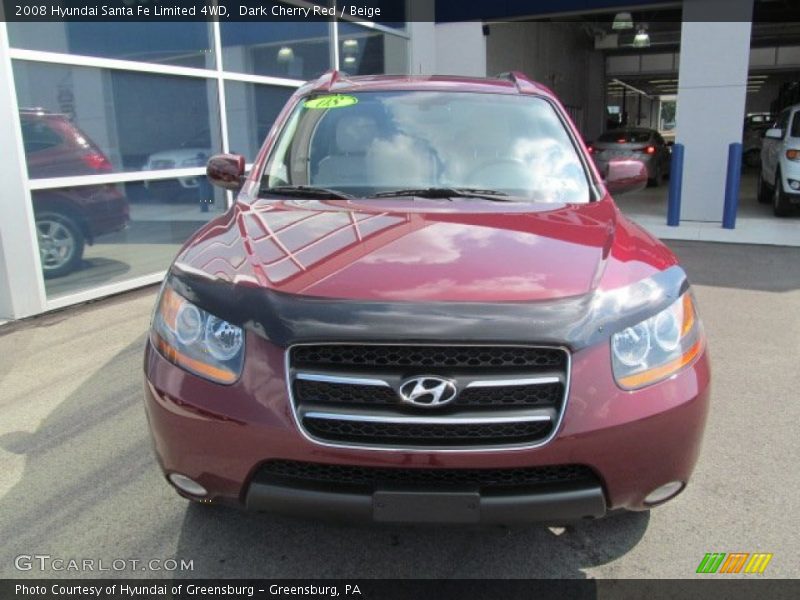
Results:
<point x="196" y="340"/>
<point x="659" y="347"/>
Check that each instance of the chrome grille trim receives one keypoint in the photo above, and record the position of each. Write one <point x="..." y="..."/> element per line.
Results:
<point x="289" y="377"/>
<point x="489" y="383"/>
<point x="481" y="383"/>
<point x="432" y="420"/>
<point x="342" y="380"/>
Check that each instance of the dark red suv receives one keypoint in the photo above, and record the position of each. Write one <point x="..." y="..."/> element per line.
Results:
<point x="425" y="306"/>
<point x="68" y="218"/>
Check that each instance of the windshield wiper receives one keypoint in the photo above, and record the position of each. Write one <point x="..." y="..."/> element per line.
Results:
<point x="448" y="192"/>
<point x="304" y="191"/>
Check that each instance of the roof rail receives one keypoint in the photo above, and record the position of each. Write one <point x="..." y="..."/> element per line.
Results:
<point x="522" y="82"/>
<point x="328" y="79"/>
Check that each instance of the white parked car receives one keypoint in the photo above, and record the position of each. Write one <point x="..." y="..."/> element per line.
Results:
<point x="179" y="158"/>
<point x="779" y="177"/>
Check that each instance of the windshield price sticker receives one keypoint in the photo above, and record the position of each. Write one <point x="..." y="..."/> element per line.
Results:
<point x="332" y="101"/>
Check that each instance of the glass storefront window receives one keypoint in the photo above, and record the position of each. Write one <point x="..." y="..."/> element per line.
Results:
<point x="98" y="234"/>
<point x="293" y="50"/>
<point x="84" y="121"/>
<point x="364" y="51"/>
<point x="89" y="121"/>
<point x="252" y="109"/>
<point x="185" y="44"/>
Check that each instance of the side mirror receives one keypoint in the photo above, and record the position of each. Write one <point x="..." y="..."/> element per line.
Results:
<point x="774" y="134"/>
<point x="626" y="176"/>
<point x="226" y="171"/>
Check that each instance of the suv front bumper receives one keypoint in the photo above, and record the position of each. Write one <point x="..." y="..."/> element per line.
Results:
<point x="221" y="436"/>
<point x="430" y="506"/>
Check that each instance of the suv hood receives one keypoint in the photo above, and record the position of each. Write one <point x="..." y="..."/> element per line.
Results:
<point x="411" y="250"/>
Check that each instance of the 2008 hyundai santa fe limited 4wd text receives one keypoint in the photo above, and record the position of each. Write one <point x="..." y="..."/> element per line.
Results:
<point x="424" y="306"/>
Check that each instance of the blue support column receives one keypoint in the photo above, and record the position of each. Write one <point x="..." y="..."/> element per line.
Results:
<point x="732" y="183"/>
<point x="675" y="186"/>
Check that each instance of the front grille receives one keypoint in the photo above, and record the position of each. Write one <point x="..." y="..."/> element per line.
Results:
<point x="319" y="392"/>
<point x="453" y="357"/>
<point x="505" y="396"/>
<point x="369" y="479"/>
<point x="528" y="395"/>
<point x="445" y="434"/>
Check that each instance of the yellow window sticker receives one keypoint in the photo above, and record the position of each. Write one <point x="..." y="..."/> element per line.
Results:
<point x="331" y="101"/>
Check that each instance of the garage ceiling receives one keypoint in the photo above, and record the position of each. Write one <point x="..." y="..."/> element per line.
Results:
<point x="775" y="23"/>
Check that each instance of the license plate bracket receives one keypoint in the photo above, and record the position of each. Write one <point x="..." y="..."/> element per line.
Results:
<point x="426" y="507"/>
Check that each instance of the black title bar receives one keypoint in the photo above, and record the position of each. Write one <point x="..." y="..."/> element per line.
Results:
<point x="386" y="12"/>
<point x="396" y="589"/>
<point x="383" y="11"/>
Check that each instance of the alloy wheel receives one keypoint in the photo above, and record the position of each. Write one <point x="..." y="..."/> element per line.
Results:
<point x="56" y="243"/>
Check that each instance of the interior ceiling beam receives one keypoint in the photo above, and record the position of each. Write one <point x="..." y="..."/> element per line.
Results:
<point x="630" y="87"/>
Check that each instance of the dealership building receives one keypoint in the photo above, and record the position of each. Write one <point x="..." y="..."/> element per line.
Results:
<point x="110" y="124"/>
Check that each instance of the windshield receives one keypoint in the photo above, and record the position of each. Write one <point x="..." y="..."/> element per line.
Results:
<point x="795" y="132"/>
<point x="367" y="143"/>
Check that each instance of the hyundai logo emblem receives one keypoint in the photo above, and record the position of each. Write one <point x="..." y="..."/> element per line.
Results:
<point x="428" y="392"/>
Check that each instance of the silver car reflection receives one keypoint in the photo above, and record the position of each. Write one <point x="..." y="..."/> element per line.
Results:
<point x="645" y="145"/>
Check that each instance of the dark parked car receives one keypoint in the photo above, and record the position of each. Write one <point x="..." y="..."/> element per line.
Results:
<point x="68" y="218"/>
<point x="645" y="145"/>
<point x="424" y="305"/>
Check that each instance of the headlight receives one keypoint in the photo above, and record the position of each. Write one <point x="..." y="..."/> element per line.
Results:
<point x="197" y="340"/>
<point x="658" y="347"/>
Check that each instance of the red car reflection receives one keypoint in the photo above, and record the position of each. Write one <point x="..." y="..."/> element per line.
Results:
<point x="70" y="217"/>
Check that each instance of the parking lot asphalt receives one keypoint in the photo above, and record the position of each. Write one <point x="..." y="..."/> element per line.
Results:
<point x="78" y="479"/>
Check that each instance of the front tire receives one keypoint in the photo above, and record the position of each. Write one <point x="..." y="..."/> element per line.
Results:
<point x="61" y="243"/>
<point x="764" y="193"/>
<point x="655" y="181"/>
<point x="752" y="159"/>
<point x="780" y="203"/>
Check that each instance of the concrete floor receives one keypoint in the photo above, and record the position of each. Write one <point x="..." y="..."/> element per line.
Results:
<point x="755" y="222"/>
<point x="144" y="248"/>
<point x="78" y="478"/>
<point x="148" y="245"/>
<point x="653" y="201"/>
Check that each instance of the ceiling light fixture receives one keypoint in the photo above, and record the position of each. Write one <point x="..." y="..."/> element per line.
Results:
<point x="622" y="20"/>
<point x="642" y="38"/>
<point x="285" y="54"/>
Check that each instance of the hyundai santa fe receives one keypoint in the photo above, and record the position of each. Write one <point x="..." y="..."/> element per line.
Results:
<point x="424" y="306"/>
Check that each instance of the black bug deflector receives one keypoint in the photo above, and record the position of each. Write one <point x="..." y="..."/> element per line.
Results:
<point x="575" y="322"/>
